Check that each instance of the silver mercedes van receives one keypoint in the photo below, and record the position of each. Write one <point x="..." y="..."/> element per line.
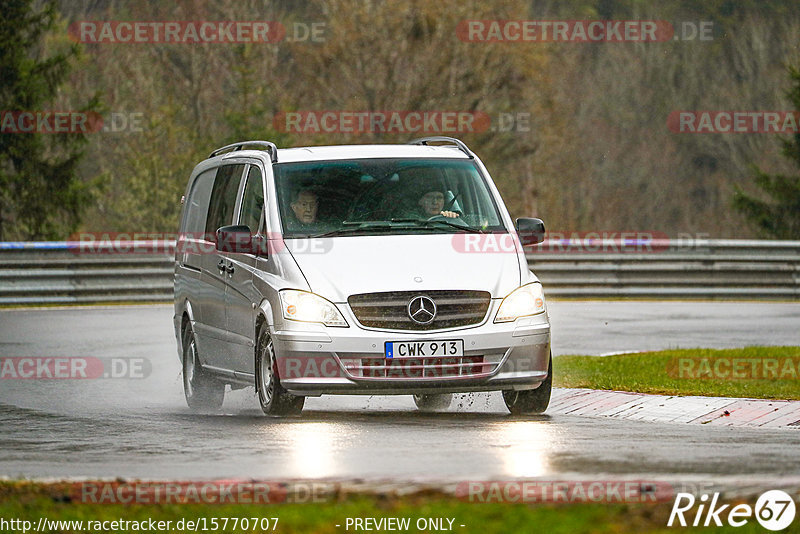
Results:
<point x="361" y="269"/>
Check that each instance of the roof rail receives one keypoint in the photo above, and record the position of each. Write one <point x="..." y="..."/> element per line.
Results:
<point x="273" y="150"/>
<point x="442" y="139"/>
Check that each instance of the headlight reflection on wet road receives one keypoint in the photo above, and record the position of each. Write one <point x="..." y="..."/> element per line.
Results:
<point x="529" y="445"/>
<point x="311" y="449"/>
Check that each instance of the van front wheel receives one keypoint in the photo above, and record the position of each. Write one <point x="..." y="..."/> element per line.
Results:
<point x="203" y="392"/>
<point x="531" y="401"/>
<point x="274" y="400"/>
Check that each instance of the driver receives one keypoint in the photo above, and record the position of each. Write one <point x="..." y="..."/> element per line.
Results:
<point x="431" y="204"/>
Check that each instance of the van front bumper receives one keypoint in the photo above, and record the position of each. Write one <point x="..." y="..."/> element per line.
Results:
<point x="314" y="360"/>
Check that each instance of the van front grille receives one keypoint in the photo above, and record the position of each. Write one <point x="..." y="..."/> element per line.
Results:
<point x="390" y="310"/>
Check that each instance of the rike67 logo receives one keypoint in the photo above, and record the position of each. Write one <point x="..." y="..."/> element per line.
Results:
<point x="774" y="510"/>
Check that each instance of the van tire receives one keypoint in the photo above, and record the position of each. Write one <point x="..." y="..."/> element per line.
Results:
<point x="274" y="400"/>
<point x="203" y="392"/>
<point x="433" y="402"/>
<point x="531" y="401"/>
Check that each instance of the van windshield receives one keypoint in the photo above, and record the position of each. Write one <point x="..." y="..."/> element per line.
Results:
<point x="384" y="196"/>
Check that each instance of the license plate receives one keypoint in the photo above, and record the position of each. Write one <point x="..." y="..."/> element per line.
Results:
<point x="424" y="349"/>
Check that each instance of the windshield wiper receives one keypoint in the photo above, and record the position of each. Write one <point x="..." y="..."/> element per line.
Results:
<point x="428" y="222"/>
<point x="354" y="227"/>
<point x="349" y="231"/>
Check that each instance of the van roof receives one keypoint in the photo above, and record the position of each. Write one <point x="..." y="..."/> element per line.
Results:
<point x="321" y="153"/>
<point x="318" y="153"/>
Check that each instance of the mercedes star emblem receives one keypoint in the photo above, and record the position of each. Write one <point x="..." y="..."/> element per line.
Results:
<point x="422" y="310"/>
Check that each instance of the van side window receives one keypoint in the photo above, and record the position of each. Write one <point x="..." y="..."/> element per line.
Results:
<point x="252" y="201"/>
<point x="197" y="204"/>
<point x="223" y="197"/>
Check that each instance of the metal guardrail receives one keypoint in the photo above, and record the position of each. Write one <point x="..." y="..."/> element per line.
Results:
<point x="61" y="273"/>
<point x="707" y="269"/>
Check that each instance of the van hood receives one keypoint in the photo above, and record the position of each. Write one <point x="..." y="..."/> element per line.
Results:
<point x="342" y="266"/>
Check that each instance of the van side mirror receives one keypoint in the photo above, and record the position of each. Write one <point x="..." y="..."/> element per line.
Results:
<point x="235" y="238"/>
<point x="530" y="230"/>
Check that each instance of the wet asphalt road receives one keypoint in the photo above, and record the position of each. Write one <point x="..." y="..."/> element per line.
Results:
<point x="142" y="428"/>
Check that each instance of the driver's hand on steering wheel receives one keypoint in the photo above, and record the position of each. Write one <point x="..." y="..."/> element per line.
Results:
<point x="450" y="214"/>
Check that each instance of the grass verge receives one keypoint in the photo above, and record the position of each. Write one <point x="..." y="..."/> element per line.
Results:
<point x="751" y="372"/>
<point x="29" y="501"/>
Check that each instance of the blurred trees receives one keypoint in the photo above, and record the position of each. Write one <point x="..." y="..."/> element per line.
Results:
<point x="596" y="154"/>
<point x="42" y="195"/>
<point x="778" y="217"/>
<point x="400" y="55"/>
<point x="632" y="172"/>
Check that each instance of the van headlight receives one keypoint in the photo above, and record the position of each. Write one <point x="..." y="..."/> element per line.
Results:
<point x="523" y="301"/>
<point x="310" y="308"/>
